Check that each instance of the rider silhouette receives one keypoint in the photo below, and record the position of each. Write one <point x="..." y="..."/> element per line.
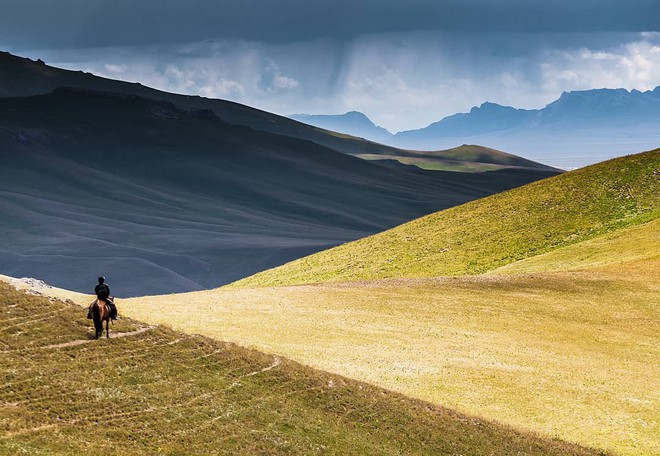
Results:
<point x="102" y="291"/>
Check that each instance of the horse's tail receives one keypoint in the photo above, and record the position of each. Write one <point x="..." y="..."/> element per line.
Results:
<point x="96" y="316"/>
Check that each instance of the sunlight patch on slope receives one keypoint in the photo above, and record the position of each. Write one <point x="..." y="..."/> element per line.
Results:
<point x="629" y="245"/>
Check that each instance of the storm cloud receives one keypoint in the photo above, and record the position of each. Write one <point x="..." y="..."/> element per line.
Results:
<point x="405" y="64"/>
<point x="92" y="23"/>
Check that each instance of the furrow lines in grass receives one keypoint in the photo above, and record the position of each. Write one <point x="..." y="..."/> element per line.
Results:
<point x="29" y="316"/>
<point x="29" y="322"/>
<point x="276" y="362"/>
<point x="44" y="427"/>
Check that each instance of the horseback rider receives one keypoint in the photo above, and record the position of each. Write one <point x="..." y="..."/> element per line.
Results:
<point x="102" y="291"/>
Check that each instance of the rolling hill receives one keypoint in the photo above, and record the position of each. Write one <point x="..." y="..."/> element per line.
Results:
<point x="572" y="355"/>
<point x="153" y="390"/>
<point x="483" y="235"/>
<point x="464" y="158"/>
<point x="534" y="351"/>
<point x="165" y="199"/>
<point x="20" y="77"/>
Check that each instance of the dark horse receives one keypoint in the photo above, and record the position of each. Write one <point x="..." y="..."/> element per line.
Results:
<point x="101" y="313"/>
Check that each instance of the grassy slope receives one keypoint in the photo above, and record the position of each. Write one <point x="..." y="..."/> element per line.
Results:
<point x="160" y="391"/>
<point x="632" y="245"/>
<point x="465" y="158"/>
<point x="459" y="166"/>
<point x="492" y="232"/>
<point x="574" y="355"/>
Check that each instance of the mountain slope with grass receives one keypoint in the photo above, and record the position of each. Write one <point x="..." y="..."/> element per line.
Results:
<point x="628" y="247"/>
<point x="155" y="390"/>
<point x="483" y="235"/>
<point x="464" y="158"/>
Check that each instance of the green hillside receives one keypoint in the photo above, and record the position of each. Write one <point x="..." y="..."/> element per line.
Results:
<point x="157" y="391"/>
<point x="495" y="231"/>
<point x="464" y="158"/>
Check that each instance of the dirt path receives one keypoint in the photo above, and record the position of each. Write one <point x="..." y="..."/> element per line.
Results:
<point x="86" y="341"/>
<point x="276" y="362"/>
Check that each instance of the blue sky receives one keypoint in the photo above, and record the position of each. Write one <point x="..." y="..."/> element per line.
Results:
<point x="404" y="64"/>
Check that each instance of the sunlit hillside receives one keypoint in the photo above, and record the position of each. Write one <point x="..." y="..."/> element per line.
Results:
<point x="492" y="232"/>
<point x="151" y="390"/>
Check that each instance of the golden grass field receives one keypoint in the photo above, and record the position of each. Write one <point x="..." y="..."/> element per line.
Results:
<point x="150" y="390"/>
<point x="573" y="355"/>
<point x="635" y="245"/>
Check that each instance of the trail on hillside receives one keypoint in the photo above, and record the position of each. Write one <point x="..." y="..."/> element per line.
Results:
<point x="86" y="341"/>
<point x="276" y="362"/>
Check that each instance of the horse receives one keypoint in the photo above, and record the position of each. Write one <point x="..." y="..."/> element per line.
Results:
<point x="101" y="313"/>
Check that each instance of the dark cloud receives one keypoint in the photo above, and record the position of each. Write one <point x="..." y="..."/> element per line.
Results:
<point x="31" y="24"/>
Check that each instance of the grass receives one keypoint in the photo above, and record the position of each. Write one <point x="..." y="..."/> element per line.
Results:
<point x="634" y="244"/>
<point x="573" y="355"/>
<point x="567" y="346"/>
<point x="163" y="392"/>
<point x="492" y="232"/>
<point x="465" y="159"/>
<point x="472" y="153"/>
<point x="438" y="164"/>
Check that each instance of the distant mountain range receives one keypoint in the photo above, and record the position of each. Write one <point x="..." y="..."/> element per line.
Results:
<point x="579" y="128"/>
<point x="353" y="123"/>
<point x="166" y="193"/>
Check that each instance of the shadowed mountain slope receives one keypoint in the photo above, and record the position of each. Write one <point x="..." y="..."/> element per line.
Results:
<point x="24" y="77"/>
<point x="486" y="234"/>
<point x="159" y="391"/>
<point x="163" y="199"/>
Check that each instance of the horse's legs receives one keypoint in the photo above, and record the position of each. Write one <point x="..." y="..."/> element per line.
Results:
<point x="107" y="328"/>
